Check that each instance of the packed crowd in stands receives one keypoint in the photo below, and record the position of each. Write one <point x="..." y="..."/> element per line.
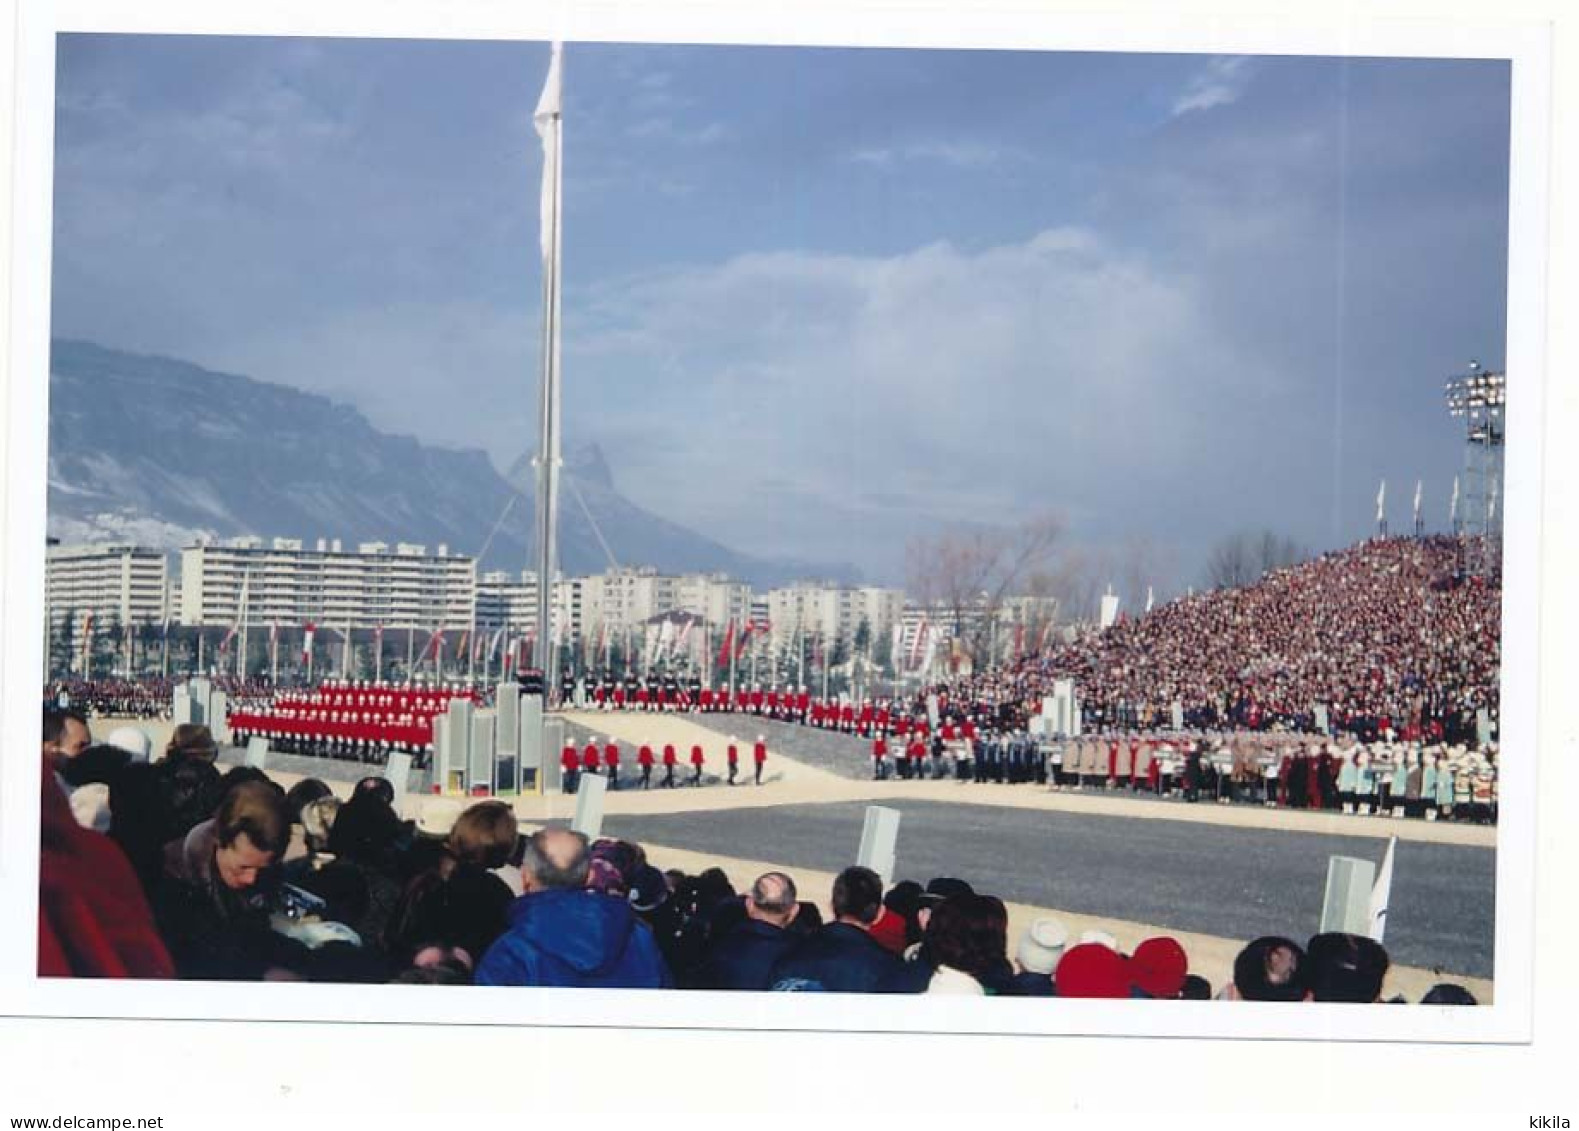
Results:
<point x="168" y="868"/>
<point x="1386" y="635"/>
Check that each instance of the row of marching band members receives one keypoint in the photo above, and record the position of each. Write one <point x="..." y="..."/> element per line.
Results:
<point x="364" y="696"/>
<point x="1298" y="772"/>
<point x="350" y="721"/>
<point x="1287" y="771"/>
<point x="605" y="759"/>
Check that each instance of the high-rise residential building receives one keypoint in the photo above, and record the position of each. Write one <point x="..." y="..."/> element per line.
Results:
<point x="283" y="582"/>
<point x="118" y="585"/>
<point x="832" y="612"/>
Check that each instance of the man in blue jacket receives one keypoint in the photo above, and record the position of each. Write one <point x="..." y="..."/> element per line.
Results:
<point x="842" y="957"/>
<point x="744" y="958"/>
<point x="562" y="934"/>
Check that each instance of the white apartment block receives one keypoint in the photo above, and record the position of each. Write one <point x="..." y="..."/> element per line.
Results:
<point x="622" y="600"/>
<point x="833" y="612"/>
<point x="509" y="601"/>
<point x="114" y="583"/>
<point x="283" y="582"/>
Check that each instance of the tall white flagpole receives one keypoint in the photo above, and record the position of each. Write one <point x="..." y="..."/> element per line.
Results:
<point x="547" y="119"/>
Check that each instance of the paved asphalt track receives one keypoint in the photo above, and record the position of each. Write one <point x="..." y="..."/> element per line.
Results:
<point x="1231" y="882"/>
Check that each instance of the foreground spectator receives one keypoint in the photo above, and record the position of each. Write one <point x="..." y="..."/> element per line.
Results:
<point x="93" y="921"/>
<point x="1092" y="970"/>
<point x="842" y="957"/>
<point x="1344" y="967"/>
<point x="66" y="735"/>
<point x="563" y="935"/>
<point x="1037" y="956"/>
<point x="1268" y="969"/>
<point x="744" y="958"/>
<point x="968" y="936"/>
<point x="212" y="910"/>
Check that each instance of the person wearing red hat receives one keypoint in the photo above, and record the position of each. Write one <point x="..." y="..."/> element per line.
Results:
<point x="759" y="755"/>
<point x="697" y="759"/>
<point x="669" y="762"/>
<point x="1158" y="967"/>
<point x="1092" y="970"/>
<point x="644" y="760"/>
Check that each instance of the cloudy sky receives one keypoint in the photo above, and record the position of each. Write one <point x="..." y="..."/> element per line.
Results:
<point x="820" y="301"/>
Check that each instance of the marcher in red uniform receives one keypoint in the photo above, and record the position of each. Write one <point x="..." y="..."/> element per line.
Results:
<point x="644" y="760"/>
<point x="569" y="766"/>
<point x="696" y="764"/>
<point x="589" y="757"/>
<point x="879" y="760"/>
<point x="759" y="754"/>
<point x="611" y="762"/>
<point x="669" y="762"/>
<point x="732" y="754"/>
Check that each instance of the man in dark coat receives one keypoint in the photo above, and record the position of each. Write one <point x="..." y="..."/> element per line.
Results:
<point x="842" y="957"/>
<point x="744" y="958"/>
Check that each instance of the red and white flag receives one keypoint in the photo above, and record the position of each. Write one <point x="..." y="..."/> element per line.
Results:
<point x="224" y="643"/>
<point x="434" y="649"/>
<point x="307" y="642"/>
<point x="727" y="648"/>
<point x="493" y="645"/>
<point x="1047" y="631"/>
<point x="87" y="642"/>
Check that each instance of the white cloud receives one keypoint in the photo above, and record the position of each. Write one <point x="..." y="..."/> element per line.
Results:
<point x="954" y="154"/>
<point x="992" y="382"/>
<point x="1219" y="83"/>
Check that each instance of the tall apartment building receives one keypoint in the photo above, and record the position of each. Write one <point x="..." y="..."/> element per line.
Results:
<point x="283" y="582"/>
<point x="832" y="612"/>
<point x="509" y="601"/>
<point x="625" y="600"/>
<point x="113" y="583"/>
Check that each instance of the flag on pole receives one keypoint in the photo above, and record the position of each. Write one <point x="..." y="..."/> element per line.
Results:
<point x="87" y="642"/>
<point x="546" y="120"/>
<point x="746" y="632"/>
<point x="685" y="631"/>
<point x="1148" y="598"/>
<point x="493" y="645"/>
<point x="224" y="643"/>
<point x="895" y="642"/>
<point x="1381" y="893"/>
<point x="919" y="643"/>
<point x="728" y="646"/>
<point x="1019" y="640"/>
<point x="1381" y="501"/>
<point x="307" y="642"/>
<point x="1418" y="485"/>
<point x="434" y="648"/>
<point x="1047" y="630"/>
<point x="460" y="645"/>
<point x="1452" y="509"/>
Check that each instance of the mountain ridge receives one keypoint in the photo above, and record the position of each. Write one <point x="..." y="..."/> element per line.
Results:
<point x="168" y="451"/>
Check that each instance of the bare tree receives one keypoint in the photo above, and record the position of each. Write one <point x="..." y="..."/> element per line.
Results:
<point x="1244" y="558"/>
<point x="969" y="572"/>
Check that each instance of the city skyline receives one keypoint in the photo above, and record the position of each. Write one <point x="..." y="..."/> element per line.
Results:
<point x="1258" y="270"/>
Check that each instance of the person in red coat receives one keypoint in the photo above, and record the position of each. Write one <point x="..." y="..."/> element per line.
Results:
<point x="93" y="920"/>
<point x="732" y="754"/>
<point x="611" y="762"/>
<point x="644" y="760"/>
<point x="696" y="764"/>
<point x="669" y="761"/>
<point x="917" y="753"/>
<point x="570" y="766"/>
<point x="879" y="760"/>
<point x="589" y="757"/>
<point x="759" y="754"/>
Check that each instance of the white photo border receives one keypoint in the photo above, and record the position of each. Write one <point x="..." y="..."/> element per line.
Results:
<point x="1525" y="46"/>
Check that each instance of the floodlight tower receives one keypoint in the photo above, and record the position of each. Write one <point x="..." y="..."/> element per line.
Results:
<point x="1479" y="398"/>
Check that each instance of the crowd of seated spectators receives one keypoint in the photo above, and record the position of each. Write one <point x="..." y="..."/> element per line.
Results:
<point x="168" y="868"/>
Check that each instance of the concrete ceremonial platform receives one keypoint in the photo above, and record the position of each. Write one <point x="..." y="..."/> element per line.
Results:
<point x="1214" y="876"/>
